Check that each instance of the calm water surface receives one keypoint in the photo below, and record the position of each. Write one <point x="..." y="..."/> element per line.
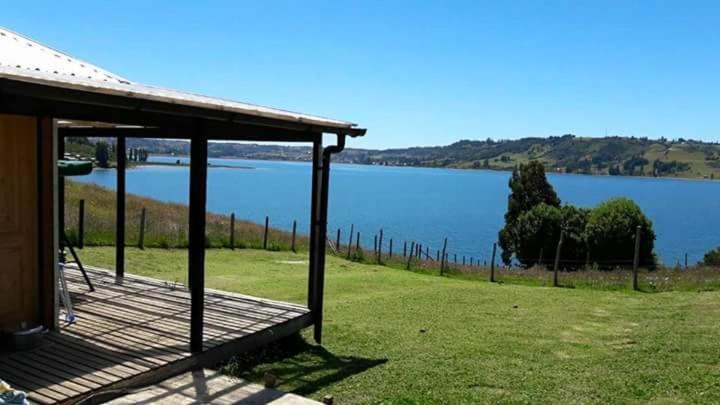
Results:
<point x="427" y="205"/>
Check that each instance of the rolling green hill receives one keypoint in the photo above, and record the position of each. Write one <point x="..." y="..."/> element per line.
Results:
<point x="628" y="156"/>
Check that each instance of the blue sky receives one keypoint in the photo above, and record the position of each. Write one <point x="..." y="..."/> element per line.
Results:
<point x="419" y="72"/>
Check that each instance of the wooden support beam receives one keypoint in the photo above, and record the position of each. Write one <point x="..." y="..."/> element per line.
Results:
<point x="323" y="196"/>
<point x="120" y="209"/>
<point x="47" y="240"/>
<point x="196" y="239"/>
<point x="314" y="214"/>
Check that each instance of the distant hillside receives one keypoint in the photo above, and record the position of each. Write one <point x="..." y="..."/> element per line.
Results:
<point x="565" y="154"/>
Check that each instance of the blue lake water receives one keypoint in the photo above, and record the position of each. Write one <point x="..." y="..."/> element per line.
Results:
<point x="427" y="205"/>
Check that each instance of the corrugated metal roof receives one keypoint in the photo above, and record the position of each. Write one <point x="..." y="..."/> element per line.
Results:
<point x="26" y="60"/>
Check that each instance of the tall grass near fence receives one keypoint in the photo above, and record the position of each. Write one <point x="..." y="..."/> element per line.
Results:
<point x="166" y="224"/>
<point x="420" y="258"/>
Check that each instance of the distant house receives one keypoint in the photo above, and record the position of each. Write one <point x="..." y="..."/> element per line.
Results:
<point x="130" y="330"/>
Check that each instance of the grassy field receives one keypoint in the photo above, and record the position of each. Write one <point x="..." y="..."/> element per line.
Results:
<point x="166" y="223"/>
<point x="403" y="337"/>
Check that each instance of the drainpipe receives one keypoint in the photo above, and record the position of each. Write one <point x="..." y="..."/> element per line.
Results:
<point x="320" y="280"/>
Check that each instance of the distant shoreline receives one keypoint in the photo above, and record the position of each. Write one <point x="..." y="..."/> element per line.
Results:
<point x="426" y="167"/>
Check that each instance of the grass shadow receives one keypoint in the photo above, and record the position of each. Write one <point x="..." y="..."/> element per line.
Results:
<point x="300" y="367"/>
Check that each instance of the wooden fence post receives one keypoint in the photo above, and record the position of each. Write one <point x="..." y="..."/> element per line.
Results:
<point x="375" y="245"/>
<point x="492" y="263"/>
<point x="141" y="238"/>
<point x="410" y="256"/>
<point x="437" y="256"/>
<point x="265" y="235"/>
<point x="349" y="250"/>
<point x="405" y="249"/>
<point x="380" y="245"/>
<point x="443" y="258"/>
<point x="455" y="258"/>
<point x="557" y="259"/>
<point x="81" y="225"/>
<point x="337" y="241"/>
<point x="294" y="232"/>
<point x="686" y="260"/>
<point x="427" y="252"/>
<point x="232" y="231"/>
<point x="390" y="250"/>
<point x="463" y="260"/>
<point x="636" y="258"/>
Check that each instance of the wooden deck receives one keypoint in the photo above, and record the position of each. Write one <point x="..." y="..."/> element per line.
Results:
<point x="137" y="333"/>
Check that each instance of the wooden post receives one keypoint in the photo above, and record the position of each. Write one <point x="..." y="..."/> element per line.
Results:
<point x="471" y="261"/>
<point x="556" y="267"/>
<point x="375" y="245"/>
<point x="463" y="260"/>
<point x="141" y="237"/>
<point x="443" y="258"/>
<point x="314" y="218"/>
<point x="427" y="252"/>
<point x="357" y="242"/>
<point x="410" y="256"/>
<point x="337" y="241"/>
<point x="232" y="232"/>
<point x="492" y="263"/>
<point x="120" y="209"/>
<point x="265" y="235"/>
<point x="686" y="260"/>
<point x="636" y="258"/>
<point x="380" y="245"/>
<point x="294" y="233"/>
<point x="540" y="256"/>
<point x="437" y="256"/>
<point x="349" y="249"/>
<point x="196" y="240"/>
<point x="404" y="248"/>
<point x="418" y="248"/>
<point x="455" y="258"/>
<point x="390" y="248"/>
<point x="81" y="226"/>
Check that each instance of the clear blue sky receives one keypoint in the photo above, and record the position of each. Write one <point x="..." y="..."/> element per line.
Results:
<point x="417" y="72"/>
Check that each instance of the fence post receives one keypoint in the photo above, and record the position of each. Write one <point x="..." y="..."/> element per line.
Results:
<point x="492" y="263"/>
<point x="390" y="250"/>
<point x="337" y="241"/>
<point x="265" y="235"/>
<point x="375" y="245"/>
<point x="404" y="248"/>
<point x="636" y="258"/>
<point x="471" y="261"/>
<point x="427" y="252"/>
<point x="357" y="242"/>
<point x="463" y="260"/>
<point x="455" y="258"/>
<point x="410" y="256"/>
<point x="540" y="257"/>
<point x="352" y="230"/>
<point x="293" y="236"/>
<point x="437" y="256"/>
<point x="141" y="239"/>
<point x="232" y="231"/>
<point x="81" y="225"/>
<point x="557" y="259"/>
<point x="443" y="258"/>
<point x="379" y="251"/>
<point x="686" y="260"/>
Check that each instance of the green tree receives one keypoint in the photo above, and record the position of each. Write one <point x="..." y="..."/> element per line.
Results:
<point x="712" y="258"/>
<point x="611" y="234"/>
<point x="528" y="187"/>
<point x="102" y="156"/>
<point x="537" y="232"/>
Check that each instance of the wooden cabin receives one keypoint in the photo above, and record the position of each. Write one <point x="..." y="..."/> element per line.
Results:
<point x="130" y="330"/>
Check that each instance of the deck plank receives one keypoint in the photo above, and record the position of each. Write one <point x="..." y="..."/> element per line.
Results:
<point x="137" y="331"/>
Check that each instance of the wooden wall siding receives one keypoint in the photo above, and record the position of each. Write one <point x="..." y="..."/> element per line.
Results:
<point x="137" y="333"/>
<point x="18" y="220"/>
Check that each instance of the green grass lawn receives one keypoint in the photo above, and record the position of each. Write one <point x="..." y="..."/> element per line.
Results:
<point x="401" y="337"/>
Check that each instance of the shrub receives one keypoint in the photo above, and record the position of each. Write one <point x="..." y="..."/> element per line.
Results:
<point x="611" y="234"/>
<point x="712" y="258"/>
<point x="537" y="233"/>
<point x="528" y="188"/>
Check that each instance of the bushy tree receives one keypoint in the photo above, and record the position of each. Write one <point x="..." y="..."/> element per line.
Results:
<point x="102" y="156"/>
<point x="528" y="187"/>
<point x="537" y="233"/>
<point x="712" y="258"/>
<point x="611" y="231"/>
